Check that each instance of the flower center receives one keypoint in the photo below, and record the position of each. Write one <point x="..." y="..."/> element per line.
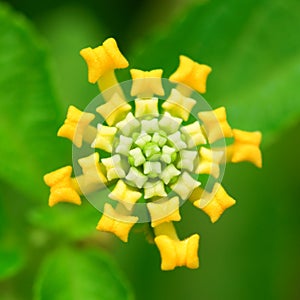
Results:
<point x="149" y="156"/>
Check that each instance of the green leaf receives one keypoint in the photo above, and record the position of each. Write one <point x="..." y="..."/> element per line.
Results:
<point x="253" y="48"/>
<point x="80" y="275"/>
<point x="66" y="37"/>
<point x="66" y="220"/>
<point x="30" y="115"/>
<point x="12" y="245"/>
<point x="11" y="261"/>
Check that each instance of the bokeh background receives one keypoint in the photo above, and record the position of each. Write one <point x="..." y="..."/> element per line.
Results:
<point x="252" y="252"/>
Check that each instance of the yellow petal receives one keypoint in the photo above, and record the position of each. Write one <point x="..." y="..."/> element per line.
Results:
<point x="154" y="189"/>
<point x="191" y="74"/>
<point x="61" y="186"/>
<point x="164" y="211"/>
<point x="215" y="124"/>
<point x="146" y="107"/>
<point x="146" y="83"/>
<point x="112" y="221"/>
<point x="209" y="162"/>
<point x="246" y="147"/>
<point x="113" y="167"/>
<point x="105" y="138"/>
<point x="218" y="201"/>
<point x="128" y="125"/>
<point x="103" y="59"/>
<point x="125" y="194"/>
<point x="176" y="253"/>
<point x="75" y="125"/>
<point x="194" y="134"/>
<point x="111" y="48"/>
<point x="93" y="175"/>
<point x="185" y="185"/>
<point x="178" y="105"/>
<point x="114" y="110"/>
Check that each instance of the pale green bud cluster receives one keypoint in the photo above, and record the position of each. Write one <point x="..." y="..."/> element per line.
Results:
<point x="157" y="152"/>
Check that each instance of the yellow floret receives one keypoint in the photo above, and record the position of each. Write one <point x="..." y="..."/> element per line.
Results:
<point x="245" y="147"/>
<point x="62" y="188"/>
<point x="214" y="203"/>
<point x="146" y="83"/>
<point x="175" y="253"/>
<point x="113" y="167"/>
<point x="75" y="125"/>
<point x="209" y="162"/>
<point x="178" y="105"/>
<point x="146" y="107"/>
<point x="195" y="134"/>
<point x="114" y="222"/>
<point x="114" y="110"/>
<point x="191" y="74"/>
<point x="164" y="211"/>
<point x="215" y="124"/>
<point x="105" y="138"/>
<point x="93" y="176"/>
<point x="125" y="194"/>
<point x="103" y="59"/>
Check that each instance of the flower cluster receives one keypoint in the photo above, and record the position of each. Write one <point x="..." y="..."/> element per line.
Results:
<point x="153" y="144"/>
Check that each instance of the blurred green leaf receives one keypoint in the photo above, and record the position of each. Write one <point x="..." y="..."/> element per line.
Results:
<point x="66" y="220"/>
<point x="80" y="275"/>
<point x="29" y="112"/>
<point x="11" y="261"/>
<point x="66" y="37"/>
<point x="12" y="246"/>
<point x="254" y="49"/>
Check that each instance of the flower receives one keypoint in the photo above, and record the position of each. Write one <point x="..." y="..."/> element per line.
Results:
<point x="153" y="143"/>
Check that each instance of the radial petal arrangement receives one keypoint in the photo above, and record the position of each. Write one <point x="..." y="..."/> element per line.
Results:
<point x="151" y="144"/>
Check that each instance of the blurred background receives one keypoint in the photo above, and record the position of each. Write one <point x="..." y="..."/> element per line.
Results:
<point x="252" y="252"/>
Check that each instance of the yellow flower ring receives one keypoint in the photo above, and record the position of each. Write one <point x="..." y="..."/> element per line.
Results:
<point x="145" y="146"/>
